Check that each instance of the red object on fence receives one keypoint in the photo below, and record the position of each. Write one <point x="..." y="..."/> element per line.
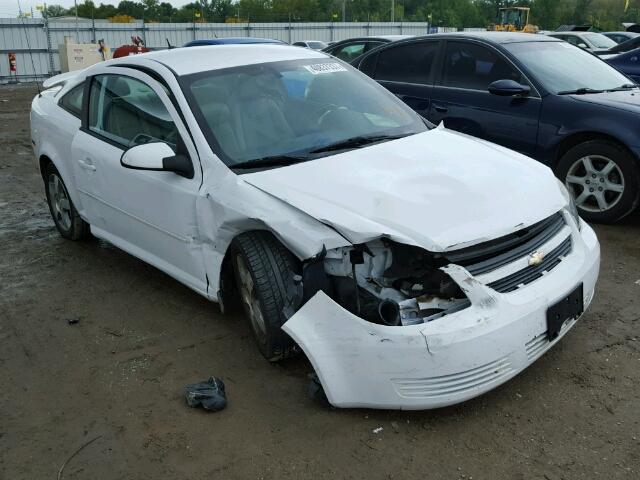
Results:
<point x="13" y="64"/>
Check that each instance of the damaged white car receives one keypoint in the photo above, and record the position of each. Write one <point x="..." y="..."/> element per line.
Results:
<point x="415" y="266"/>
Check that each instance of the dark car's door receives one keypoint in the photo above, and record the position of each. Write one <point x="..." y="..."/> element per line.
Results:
<point x="462" y="100"/>
<point x="407" y="70"/>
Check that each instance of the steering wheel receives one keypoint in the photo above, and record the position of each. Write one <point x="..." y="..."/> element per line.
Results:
<point x="326" y="110"/>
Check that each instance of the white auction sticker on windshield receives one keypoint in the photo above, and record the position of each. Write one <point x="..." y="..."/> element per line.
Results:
<point x="325" y="68"/>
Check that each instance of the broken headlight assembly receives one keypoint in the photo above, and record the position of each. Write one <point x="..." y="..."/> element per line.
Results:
<point x="391" y="283"/>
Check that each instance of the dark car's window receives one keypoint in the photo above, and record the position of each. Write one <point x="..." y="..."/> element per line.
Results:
<point x="562" y="68"/>
<point x="472" y="66"/>
<point x="408" y="63"/>
<point x="72" y="100"/>
<point x="128" y="112"/>
<point x="350" y="52"/>
<point x="573" y="40"/>
<point x="317" y="45"/>
<point x="616" y="38"/>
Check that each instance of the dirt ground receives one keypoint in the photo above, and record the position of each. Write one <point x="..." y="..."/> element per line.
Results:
<point x="118" y="374"/>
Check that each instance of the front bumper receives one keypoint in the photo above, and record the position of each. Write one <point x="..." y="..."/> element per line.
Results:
<point x="446" y="361"/>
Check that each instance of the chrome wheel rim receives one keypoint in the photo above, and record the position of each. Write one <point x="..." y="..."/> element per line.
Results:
<point x="59" y="201"/>
<point x="596" y="183"/>
<point x="249" y="298"/>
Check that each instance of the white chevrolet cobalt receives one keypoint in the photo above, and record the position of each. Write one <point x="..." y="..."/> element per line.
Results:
<point x="416" y="267"/>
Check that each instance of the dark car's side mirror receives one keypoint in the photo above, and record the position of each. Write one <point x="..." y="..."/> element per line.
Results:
<point x="509" y="88"/>
<point x="157" y="156"/>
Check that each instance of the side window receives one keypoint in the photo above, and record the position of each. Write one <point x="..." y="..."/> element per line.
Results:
<point x="371" y="45"/>
<point x="410" y="63"/>
<point x="72" y="100"/>
<point x="349" y="52"/>
<point x="368" y="65"/>
<point x="128" y="112"/>
<point x="474" y="67"/>
<point x="573" y="40"/>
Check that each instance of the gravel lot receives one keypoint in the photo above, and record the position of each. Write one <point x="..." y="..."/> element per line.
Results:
<point x="118" y="373"/>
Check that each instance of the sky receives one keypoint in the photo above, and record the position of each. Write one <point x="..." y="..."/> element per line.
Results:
<point x="9" y="8"/>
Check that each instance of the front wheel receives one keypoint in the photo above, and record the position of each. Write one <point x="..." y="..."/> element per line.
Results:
<point x="64" y="213"/>
<point x="264" y="269"/>
<point x="603" y="178"/>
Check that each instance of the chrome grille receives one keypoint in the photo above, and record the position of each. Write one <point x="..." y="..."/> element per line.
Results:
<point x="488" y="256"/>
<point x="531" y="273"/>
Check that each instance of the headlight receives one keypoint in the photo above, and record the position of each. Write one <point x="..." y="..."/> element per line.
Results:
<point x="571" y="204"/>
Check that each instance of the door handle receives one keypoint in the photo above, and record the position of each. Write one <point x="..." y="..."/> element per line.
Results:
<point x="87" y="165"/>
<point x="441" y="108"/>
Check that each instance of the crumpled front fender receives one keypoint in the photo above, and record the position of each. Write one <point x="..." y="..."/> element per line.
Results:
<point x="446" y="361"/>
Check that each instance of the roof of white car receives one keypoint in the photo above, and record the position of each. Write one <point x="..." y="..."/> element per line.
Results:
<point x="188" y="60"/>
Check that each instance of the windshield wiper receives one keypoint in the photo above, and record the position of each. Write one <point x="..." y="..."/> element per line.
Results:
<point x="272" y="161"/>
<point x="580" y="91"/>
<point x="626" y="86"/>
<point x="355" y="142"/>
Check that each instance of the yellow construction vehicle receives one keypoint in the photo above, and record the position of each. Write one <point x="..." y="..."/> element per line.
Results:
<point x="514" y="19"/>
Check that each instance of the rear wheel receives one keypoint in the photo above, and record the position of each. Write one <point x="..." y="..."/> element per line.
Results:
<point x="263" y="269"/>
<point x="603" y="178"/>
<point x="64" y="213"/>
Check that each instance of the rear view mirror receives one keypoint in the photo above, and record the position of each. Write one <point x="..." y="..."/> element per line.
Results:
<point x="508" y="88"/>
<point x="157" y="156"/>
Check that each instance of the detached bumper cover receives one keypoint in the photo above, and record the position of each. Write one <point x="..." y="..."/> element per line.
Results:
<point x="449" y="360"/>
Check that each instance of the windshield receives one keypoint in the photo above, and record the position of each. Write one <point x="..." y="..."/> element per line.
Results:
<point x="561" y="67"/>
<point x="301" y="108"/>
<point x="599" y="41"/>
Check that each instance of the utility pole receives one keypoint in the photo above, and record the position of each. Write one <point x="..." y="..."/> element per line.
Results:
<point x="75" y="3"/>
<point x="393" y="11"/>
<point x="344" y="11"/>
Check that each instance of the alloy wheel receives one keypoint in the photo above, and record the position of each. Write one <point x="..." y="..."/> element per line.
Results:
<point x="59" y="200"/>
<point x="249" y="298"/>
<point x="596" y="182"/>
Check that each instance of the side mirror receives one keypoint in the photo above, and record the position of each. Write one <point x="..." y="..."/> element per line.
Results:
<point x="583" y="46"/>
<point x="509" y="88"/>
<point x="157" y="156"/>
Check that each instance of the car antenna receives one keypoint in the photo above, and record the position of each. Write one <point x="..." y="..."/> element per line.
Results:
<point x="169" y="44"/>
<point x="26" y="36"/>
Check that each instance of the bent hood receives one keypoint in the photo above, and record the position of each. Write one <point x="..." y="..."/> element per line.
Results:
<point x="440" y="190"/>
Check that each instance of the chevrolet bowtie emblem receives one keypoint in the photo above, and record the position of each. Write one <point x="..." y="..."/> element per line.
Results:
<point x="536" y="258"/>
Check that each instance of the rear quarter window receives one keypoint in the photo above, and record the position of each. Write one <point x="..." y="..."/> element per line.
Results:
<point x="72" y="100"/>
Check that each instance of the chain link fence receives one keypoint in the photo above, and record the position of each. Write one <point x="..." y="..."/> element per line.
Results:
<point x="35" y="41"/>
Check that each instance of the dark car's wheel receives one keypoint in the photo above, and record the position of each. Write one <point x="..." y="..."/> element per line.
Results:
<point x="603" y="178"/>
<point x="64" y="214"/>
<point x="263" y="270"/>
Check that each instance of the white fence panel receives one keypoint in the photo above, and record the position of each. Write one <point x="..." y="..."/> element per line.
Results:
<point x="28" y="37"/>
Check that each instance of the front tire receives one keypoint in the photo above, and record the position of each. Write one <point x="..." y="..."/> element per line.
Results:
<point x="63" y="212"/>
<point x="263" y="270"/>
<point x="603" y="178"/>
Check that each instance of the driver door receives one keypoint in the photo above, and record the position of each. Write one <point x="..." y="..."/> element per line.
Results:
<point x="150" y="214"/>
<point x="462" y="101"/>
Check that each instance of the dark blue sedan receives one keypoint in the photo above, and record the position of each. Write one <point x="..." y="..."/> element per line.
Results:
<point x="532" y="93"/>
<point x="232" y="41"/>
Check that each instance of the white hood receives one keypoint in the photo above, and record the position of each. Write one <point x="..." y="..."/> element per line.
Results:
<point x="439" y="190"/>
